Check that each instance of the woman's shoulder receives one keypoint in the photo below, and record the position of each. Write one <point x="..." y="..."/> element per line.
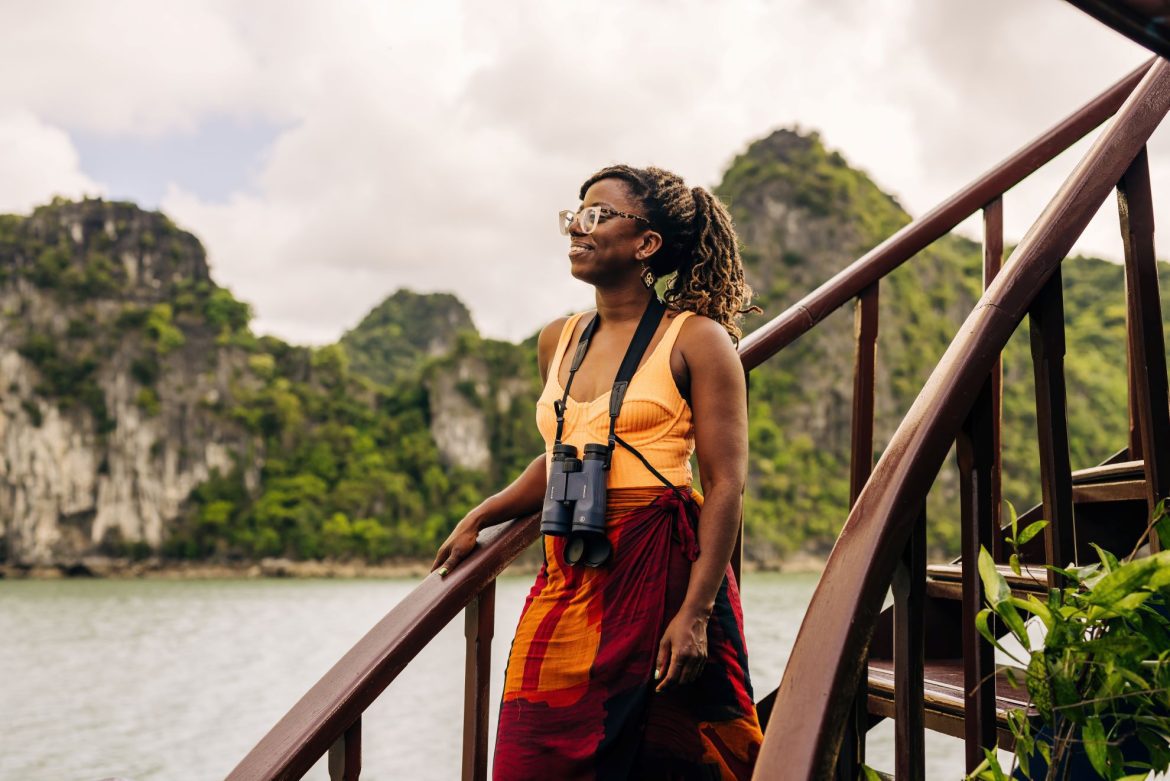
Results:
<point x="546" y="343"/>
<point x="700" y="330"/>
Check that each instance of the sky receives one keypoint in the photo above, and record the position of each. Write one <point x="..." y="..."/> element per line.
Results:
<point x="328" y="154"/>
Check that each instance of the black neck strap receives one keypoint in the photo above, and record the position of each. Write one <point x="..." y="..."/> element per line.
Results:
<point x="651" y="317"/>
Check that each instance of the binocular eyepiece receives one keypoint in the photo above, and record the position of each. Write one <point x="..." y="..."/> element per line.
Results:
<point x="574" y="503"/>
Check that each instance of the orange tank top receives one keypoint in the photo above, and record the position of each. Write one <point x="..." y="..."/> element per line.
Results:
<point x="655" y="419"/>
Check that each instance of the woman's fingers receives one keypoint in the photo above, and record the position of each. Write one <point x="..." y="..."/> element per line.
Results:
<point x="441" y="556"/>
<point x="662" y="663"/>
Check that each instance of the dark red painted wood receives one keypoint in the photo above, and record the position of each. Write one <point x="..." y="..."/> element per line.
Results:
<point x="909" y="587"/>
<point x="345" y="755"/>
<point x="822" y="674"/>
<point x="1046" y="327"/>
<point x="992" y="263"/>
<point x="478" y="628"/>
<point x="1144" y="320"/>
<point x="903" y="245"/>
<point x="865" y="325"/>
<point x="975" y="447"/>
<point x="864" y="381"/>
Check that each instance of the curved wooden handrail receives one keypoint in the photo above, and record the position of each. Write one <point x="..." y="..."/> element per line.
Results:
<point x="848" y="283"/>
<point x="336" y="701"/>
<point x="823" y="672"/>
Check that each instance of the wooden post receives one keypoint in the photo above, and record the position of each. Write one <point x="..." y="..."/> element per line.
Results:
<point x="1046" y="327"/>
<point x="976" y="453"/>
<point x="345" y="755"/>
<point x="479" y="625"/>
<point x="909" y="586"/>
<point x="1147" y="347"/>
<point x="992" y="263"/>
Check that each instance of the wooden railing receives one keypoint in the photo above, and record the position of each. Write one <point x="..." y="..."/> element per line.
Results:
<point x="881" y="544"/>
<point x="328" y="718"/>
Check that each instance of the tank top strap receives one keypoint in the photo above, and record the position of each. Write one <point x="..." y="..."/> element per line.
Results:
<point x="666" y="346"/>
<point x="554" y="368"/>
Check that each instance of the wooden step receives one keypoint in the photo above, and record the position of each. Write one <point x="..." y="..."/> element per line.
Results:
<point x="943" y="695"/>
<point x="1107" y="473"/>
<point x="945" y="581"/>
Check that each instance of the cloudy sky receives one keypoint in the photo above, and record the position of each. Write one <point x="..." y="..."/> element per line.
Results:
<point x="328" y="154"/>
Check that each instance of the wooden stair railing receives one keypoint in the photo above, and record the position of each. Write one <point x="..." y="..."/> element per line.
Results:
<point x="881" y="541"/>
<point x="328" y="718"/>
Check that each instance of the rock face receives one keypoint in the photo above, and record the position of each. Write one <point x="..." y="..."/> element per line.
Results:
<point x="103" y="433"/>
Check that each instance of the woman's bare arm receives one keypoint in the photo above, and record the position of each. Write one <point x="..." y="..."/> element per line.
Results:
<point x="718" y="397"/>
<point x="523" y="496"/>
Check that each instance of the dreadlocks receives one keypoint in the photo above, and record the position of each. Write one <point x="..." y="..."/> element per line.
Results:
<point x="698" y="242"/>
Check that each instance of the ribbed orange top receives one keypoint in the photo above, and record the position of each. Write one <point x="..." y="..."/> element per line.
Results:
<point x="655" y="418"/>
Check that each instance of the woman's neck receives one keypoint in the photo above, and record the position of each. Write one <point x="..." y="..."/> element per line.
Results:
<point x="616" y="305"/>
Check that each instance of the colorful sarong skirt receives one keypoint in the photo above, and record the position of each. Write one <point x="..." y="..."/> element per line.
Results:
<point x="579" y="700"/>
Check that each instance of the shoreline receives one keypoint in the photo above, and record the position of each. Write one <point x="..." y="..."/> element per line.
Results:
<point x="159" y="569"/>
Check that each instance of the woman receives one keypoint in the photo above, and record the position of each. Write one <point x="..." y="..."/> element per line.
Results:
<point x="637" y="669"/>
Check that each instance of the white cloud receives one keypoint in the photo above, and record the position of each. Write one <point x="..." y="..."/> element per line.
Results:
<point x="430" y="145"/>
<point x="37" y="162"/>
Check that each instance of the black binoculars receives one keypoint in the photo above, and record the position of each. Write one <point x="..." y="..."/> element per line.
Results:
<point x="574" y="503"/>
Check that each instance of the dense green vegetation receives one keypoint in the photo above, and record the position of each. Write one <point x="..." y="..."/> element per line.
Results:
<point x="341" y="458"/>
<point x="800" y="401"/>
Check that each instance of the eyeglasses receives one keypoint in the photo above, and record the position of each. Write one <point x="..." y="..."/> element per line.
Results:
<point x="589" y="217"/>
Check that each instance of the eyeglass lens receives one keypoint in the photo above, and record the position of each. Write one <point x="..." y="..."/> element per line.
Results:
<point x="587" y="219"/>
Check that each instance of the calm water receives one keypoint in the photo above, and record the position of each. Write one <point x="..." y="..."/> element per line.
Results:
<point x="166" y="681"/>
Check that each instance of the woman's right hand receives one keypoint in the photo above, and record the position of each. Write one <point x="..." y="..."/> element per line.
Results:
<point x="458" y="545"/>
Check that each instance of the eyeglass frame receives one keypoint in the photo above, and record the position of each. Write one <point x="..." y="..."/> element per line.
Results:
<point x="568" y="217"/>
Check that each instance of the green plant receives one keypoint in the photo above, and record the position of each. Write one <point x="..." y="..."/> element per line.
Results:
<point x="1100" y="683"/>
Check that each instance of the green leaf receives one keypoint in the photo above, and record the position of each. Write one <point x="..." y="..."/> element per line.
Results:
<point x="983" y="626"/>
<point x="1014" y="563"/>
<point x="1162" y="529"/>
<point x="870" y="773"/>
<point x="994" y="584"/>
<point x="1013" y="518"/>
<point x="1123" y="581"/>
<point x="1030" y="531"/>
<point x="1015" y="622"/>
<point x="1036" y="608"/>
<point x="1093" y="734"/>
<point x="1107" y="558"/>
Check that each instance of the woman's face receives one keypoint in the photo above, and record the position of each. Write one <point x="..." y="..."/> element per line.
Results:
<point x="611" y="250"/>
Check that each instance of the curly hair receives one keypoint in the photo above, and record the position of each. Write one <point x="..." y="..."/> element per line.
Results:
<point x="699" y="245"/>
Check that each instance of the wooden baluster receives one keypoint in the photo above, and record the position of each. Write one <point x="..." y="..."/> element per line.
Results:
<point x="865" y="321"/>
<point x="345" y="755"/>
<point x="1046" y="327"/>
<point x="909" y="586"/>
<point x="1150" y="404"/>
<point x="992" y="263"/>
<point x="976" y="452"/>
<point x="479" y="625"/>
<point x="980" y="458"/>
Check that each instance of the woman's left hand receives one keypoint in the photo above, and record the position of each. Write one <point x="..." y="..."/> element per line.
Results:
<point x="682" y="652"/>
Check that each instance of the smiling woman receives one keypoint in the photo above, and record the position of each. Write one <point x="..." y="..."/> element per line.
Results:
<point x="631" y="663"/>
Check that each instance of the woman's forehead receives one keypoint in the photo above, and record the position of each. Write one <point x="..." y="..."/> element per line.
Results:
<point x="610" y="192"/>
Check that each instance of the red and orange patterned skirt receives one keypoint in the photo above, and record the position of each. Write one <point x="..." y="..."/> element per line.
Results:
<point x="579" y="700"/>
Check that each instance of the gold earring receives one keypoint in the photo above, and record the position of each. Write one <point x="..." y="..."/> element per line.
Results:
<point x="647" y="276"/>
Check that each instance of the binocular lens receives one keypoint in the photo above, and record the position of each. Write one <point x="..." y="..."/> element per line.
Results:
<point x="592" y="550"/>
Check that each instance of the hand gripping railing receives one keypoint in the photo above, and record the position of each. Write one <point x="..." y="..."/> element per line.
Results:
<point x="328" y="717"/>
<point x="883" y="538"/>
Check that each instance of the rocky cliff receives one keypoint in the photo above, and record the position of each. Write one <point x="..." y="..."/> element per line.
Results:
<point x="109" y="362"/>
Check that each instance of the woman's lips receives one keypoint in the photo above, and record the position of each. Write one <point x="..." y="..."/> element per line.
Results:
<point x="578" y="249"/>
